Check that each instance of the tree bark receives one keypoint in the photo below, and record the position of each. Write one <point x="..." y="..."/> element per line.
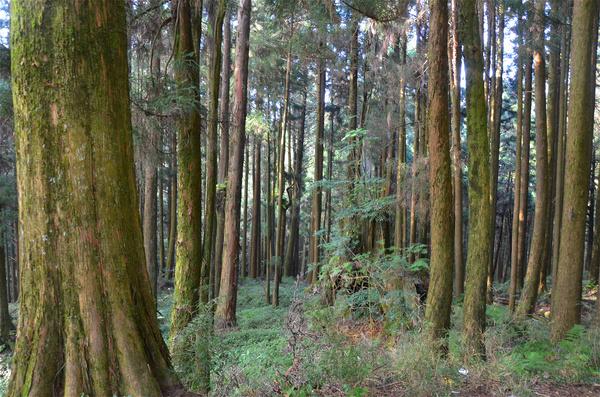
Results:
<point x="439" y="295"/>
<point x="291" y="254"/>
<point x="478" y="253"/>
<point x="281" y="209"/>
<point x="255" y="239"/>
<point x="226" y="304"/>
<point x="566" y="294"/>
<point x="514" y="252"/>
<point x="87" y="316"/>
<point x="216" y="15"/>
<point x="562" y="126"/>
<point x="223" y="147"/>
<point x="525" y="153"/>
<point x="495" y="117"/>
<point x="400" y="220"/>
<point x="189" y="179"/>
<point x="455" y="66"/>
<point x="6" y="324"/>
<point x="538" y="242"/>
<point x="315" y="217"/>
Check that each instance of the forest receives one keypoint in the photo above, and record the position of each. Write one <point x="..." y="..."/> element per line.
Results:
<point x="299" y="198"/>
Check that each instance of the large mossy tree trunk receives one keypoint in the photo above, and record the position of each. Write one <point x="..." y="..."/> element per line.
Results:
<point x="189" y="179"/>
<point x="478" y="253"/>
<point x="87" y="317"/>
<point x="566" y="294"/>
<point x="226" y="304"/>
<point x="439" y="296"/>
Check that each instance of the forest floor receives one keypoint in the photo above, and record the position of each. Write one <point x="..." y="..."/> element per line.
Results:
<point x="303" y="348"/>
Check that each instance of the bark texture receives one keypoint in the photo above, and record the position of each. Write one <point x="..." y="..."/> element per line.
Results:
<point x="566" y="294"/>
<point x="226" y="304"/>
<point x="87" y="323"/>
<point x="478" y="253"/>
<point x="439" y="295"/>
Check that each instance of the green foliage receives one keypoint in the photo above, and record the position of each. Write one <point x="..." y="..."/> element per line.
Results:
<point x="571" y="360"/>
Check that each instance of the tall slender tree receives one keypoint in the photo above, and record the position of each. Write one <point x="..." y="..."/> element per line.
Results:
<point x="224" y="143"/>
<point x="315" y="217"/>
<point x="478" y="252"/>
<point x="538" y="241"/>
<point x="188" y="246"/>
<point x="225" y="315"/>
<point x="439" y="296"/>
<point x="216" y="14"/>
<point x="566" y="294"/>
<point x="455" y="66"/>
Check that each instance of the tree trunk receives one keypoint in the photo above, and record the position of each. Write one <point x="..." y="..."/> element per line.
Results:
<point x="524" y="220"/>
<point x="566" y="294"/>
<point x="291" y="254"/>
<point x="188" y="251"/>
<point x="6" y="324"/>
<point x="87" y="315"/>
<point x="439" y="295"/>
<point x="455" y="65"/>
<point x="495" y="117"/>
<point x="315" y="217"/>
<point x="478" y="253"/>
<point x="216" y="15"/>
<point x="223" y="148"/>
<point x="244" y="256"/>
<point x="400" y="220"/>
<point x="172" y="236"/>
<point x="280" y="237"/>
<point x="562" y="126"/>
<point x="514" y="252"/>
<point x="226" y="304"/>
<point x="255" y="238"/>
<point x="538" y="242"/>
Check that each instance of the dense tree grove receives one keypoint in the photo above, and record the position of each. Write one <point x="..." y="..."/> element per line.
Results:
<point x="300" y="197"/>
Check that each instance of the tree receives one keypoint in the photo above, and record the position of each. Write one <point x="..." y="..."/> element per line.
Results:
<point x="455" y="65"/>
<point x="88" y="323"/>
<point x="566" y="295"/>
<point x="216" y="14"/>
<point x="188" y="251"/>
<point x="255" y="239"/>
<point x="400" y="220"/>
<point x="224" y="145"/>
<point x="291" y="253"/>
<point x="494" y="119"/>
<point x="281" y="207"/>
<point x="439" y="296"/>
<point x="538" y="241"/>
<point x="514" y="256"/>
<point x="478" y="252"/>
<point x="315" y="217"/>
<point x="226" y="304"/>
